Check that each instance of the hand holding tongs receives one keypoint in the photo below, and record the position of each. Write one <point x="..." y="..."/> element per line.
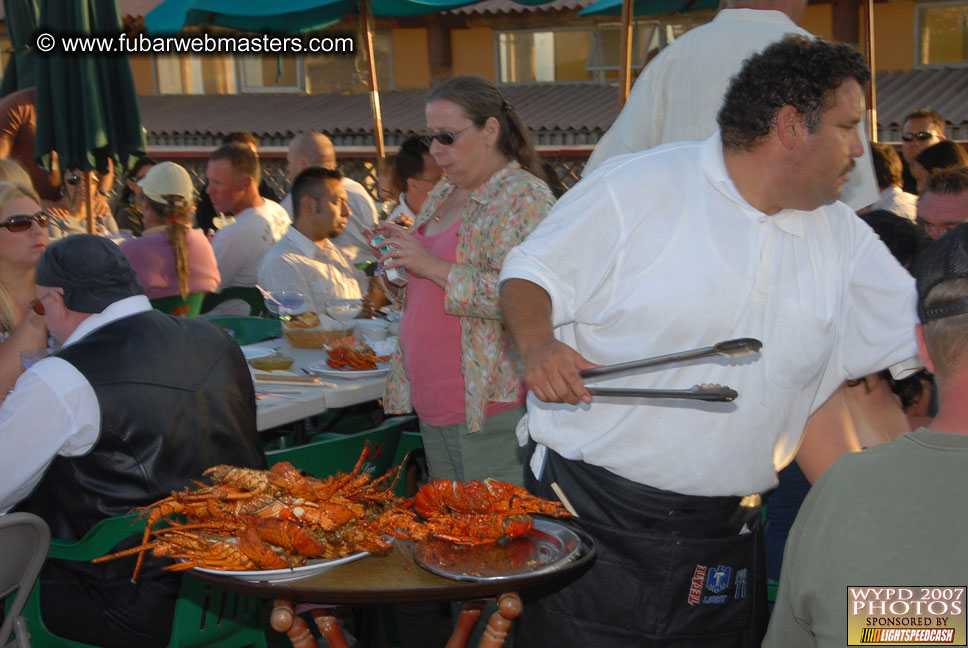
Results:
<point x="730" y="349"/>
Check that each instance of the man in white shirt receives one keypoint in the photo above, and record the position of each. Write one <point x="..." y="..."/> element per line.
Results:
<point x="681" y="247"/>
<point x="135" y="404"/>
<point x="312" y="149"/>
<point x="417" y="173"/>
<point x="306" y="259"/>
<point x="676" y="97"/>
<point x="233" y="185"/>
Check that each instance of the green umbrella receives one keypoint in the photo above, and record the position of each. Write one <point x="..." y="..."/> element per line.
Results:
<point x="21" y="19"/>
<point x="87" y="110"/>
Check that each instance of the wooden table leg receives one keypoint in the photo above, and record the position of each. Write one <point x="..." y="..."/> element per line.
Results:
<point x="465" y="624"/>
<point x="508" y="608"/>
<point x="284" y="620"/>
<point x="329" y="627"/>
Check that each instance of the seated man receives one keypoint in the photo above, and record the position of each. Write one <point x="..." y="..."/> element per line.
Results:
<point x="233" y="179"/>
<point x="944" y="203"/>
<point x="135" y="404"/>
<point x="312" y="149"/>
<point x="417" y="173"/>
<point x="867" y="514"/>
<point x="306" y="258"/>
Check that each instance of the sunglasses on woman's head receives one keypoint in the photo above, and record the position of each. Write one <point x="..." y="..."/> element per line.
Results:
<point x="443" y="137"/>
<point x="921" y="136"/>
<point x="21" y="222"/>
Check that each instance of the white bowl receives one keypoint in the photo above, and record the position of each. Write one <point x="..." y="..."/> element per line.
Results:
<point x="371" y="329"/>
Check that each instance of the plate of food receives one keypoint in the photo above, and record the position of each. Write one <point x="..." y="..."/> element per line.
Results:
<point x="323" y="369"/>
<point x="349" y="357"/>
<point x="311" y="568"/>
<point x="548" y="546"/>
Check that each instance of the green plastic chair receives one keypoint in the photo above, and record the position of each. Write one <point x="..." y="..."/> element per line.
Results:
<point x="249" y="330"/>
<point x="252" y="296"/>
<point x="190" y="306"/>
<point x="204" y="616"/>
<point x="333" y="453"/>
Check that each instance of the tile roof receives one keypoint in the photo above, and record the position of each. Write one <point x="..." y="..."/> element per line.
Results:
<point x="184" y="120"/>
<point x="942" y="89"/>
<point x="510" y="7"/>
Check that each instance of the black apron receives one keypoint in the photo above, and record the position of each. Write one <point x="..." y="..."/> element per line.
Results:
<point x="672" y="570"/>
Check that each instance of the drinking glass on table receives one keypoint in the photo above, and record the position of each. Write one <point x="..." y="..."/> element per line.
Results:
<point x="285" y="303"/>
<point x="344" y="309"/>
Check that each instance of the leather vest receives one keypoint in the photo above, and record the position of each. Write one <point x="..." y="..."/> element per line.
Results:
<point x="176" y="398"/>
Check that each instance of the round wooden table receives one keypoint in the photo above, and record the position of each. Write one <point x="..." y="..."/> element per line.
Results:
<point x="396" y="578"/>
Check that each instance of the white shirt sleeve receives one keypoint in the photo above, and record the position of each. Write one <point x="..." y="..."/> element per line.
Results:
<point x="52" y="410"/>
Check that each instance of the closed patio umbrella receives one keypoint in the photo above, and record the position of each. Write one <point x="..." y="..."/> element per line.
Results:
<point x="87" y="110"/>
<point x="21" y="19"/>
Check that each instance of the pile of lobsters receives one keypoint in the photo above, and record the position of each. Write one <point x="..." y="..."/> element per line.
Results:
<point x="249" y="519"/>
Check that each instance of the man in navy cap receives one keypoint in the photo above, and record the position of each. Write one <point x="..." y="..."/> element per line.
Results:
<point x="133" y="405"/>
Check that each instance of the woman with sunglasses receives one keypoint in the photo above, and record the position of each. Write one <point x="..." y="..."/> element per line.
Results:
<point x="455" y="365"/>
<point x="170" y="258"/>
<point x="69" y="216"/>
<point x="127" y="213"/>
<point x="23" y="238"/>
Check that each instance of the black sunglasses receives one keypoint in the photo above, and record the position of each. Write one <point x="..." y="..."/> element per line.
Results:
<point x="443" y="137"/>
<point x="921" y="136"/>
<point x="21" y="222"/>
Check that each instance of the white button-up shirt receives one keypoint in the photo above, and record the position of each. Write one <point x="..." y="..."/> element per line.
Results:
<point x="658" y="252"/>
<point x="52" y="411"/>
<point x="319" y="273"/>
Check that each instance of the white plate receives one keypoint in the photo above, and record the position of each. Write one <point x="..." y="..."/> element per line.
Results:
<point x="311" y="568"/>
<point x="256" y="352"/>
<point x="323" y="369"/>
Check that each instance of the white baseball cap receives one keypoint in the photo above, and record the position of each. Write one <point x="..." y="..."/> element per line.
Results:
<point x="168" y="183"/>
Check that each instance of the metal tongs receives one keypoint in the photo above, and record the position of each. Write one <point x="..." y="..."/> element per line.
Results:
<point x="737" y="348"/>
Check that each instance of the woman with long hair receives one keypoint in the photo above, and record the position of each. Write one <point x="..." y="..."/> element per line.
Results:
<point x="23" y="238"/>
<point x="456" y="366"/>
<point x="170" y="257"/>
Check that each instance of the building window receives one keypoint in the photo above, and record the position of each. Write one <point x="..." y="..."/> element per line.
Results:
<point x="581" y="54"/>
<point x="271" y="73"/>
<point x="544" y="56"/>
<point x="942" y="33"/>
<point x="195" y="75"/>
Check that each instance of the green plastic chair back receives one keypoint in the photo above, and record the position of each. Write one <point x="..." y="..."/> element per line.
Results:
<point x="249" y="330"/>
<point x="175" y="305"/>
<point x="252" y="296"/>
<point x="204" y="616"/>
<point x="339" y="452"/>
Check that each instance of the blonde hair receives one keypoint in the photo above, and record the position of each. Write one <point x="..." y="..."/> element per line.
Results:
<point x="178" y="220"/>
<point x="8" y="192"/>
<point x="11" y="171"/>
<point x="945" y="338"/>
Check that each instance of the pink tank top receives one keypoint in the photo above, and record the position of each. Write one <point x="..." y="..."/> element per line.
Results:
<point x="430" y="339"/>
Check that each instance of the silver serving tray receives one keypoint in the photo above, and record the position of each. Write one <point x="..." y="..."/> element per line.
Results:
<point x="547" y="547"/>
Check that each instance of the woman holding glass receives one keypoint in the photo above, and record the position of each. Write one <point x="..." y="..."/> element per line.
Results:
<point x="455" y="365"/>
<point x="23" y="238"/>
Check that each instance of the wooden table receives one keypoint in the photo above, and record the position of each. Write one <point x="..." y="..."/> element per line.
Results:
<point x="395" y="578"/>
<point x="280" y="404"/>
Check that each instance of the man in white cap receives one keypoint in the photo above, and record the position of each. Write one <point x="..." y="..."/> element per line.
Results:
<point x="133" y="405"/>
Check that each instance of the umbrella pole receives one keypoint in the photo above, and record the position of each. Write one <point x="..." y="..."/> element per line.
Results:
<point x="871" y="88"/>
<point x="374" y="89"/>
<point x="88" y="204"/>
<point x="625" y="54"/>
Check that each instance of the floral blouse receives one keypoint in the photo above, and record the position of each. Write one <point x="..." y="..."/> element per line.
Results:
<point x="499" y="215"/>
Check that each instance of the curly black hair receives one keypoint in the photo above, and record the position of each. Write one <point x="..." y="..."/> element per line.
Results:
<point x="796" y="71"/>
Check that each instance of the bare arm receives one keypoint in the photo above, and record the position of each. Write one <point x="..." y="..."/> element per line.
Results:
<point x="6" y="145"/>
<point x="550" y="367"/>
